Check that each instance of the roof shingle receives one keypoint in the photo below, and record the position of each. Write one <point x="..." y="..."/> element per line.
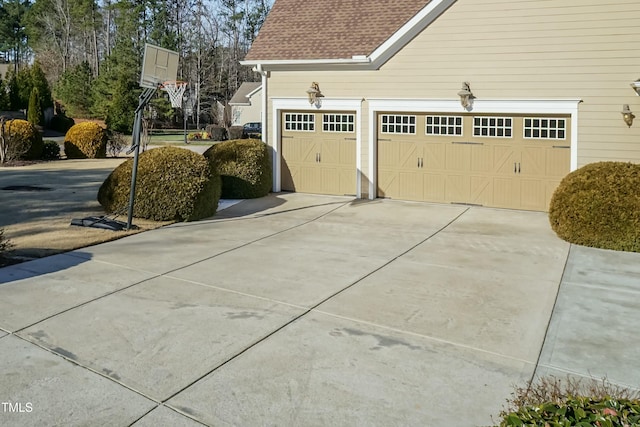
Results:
<point x="329" y="29"/>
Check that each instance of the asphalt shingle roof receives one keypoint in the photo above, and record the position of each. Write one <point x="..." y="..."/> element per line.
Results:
<point x="329" y="29"/>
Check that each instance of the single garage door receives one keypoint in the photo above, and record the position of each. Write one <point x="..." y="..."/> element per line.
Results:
<point x="319" y="152"/>
<point x="508" y="161"/>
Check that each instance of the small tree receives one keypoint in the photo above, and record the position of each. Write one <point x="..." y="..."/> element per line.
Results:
<point x="35" y="114"/>
<point x="4" y="95"/>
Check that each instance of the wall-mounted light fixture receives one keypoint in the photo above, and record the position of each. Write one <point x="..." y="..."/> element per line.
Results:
<point x="314" y="94"/>
<point x="627" y="115"/>
<point x="636" y="86"/>
<point x="466" y="97"/>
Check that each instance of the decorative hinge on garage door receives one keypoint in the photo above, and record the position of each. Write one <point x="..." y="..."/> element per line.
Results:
<point x="561" y="146"/>
<point x="284" y="136"/>
<point x="350" y="139"/>
<point x="381" y="139"/>
<point x="467" y="143"/>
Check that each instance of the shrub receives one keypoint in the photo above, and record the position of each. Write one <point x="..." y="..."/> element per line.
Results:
<point x="217" y="133"/>
<point x="87" y="140"/>
<point x="50" y="150"/>
<point x="550" y="401"/>
<point x="244" y="166"/>
<point x="5" y="244"/>
<point x="116" y="143"/>
<point x="598" y="205"/>
<point x="22" y="140"/>
<point x="35" y="113"/>
<point x="236" y="132"/>
<point x="61" y="123"/>
<point x="172" y="184"/>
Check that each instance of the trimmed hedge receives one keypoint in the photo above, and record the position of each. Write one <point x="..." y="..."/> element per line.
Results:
<point x="244" y="166"/>
<point x="26" y="138"/>
<point x="172" y="184"/>
<point x="87" y="140"/>
<point x="598" y="205"/>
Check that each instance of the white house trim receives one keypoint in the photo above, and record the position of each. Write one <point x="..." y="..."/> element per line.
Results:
<point x="521" y="106"/>
<point x="302" y="104"/>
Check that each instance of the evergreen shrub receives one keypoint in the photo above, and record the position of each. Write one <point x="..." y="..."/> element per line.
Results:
<point x="61" y="123"/>
<point x="87" y="140"/>
<point x="598" y="205"/>
<point x="26" y="140"/>
<point x="50" y="150"/>
<point x="172" y="184"/>
<point x="552" y="401"/>
<point x="217" y="133"/>
<point x="244" y="166"/>
<point x="236" y="132"/>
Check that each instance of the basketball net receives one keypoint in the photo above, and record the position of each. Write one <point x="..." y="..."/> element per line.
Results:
<point x="175" y="89"/>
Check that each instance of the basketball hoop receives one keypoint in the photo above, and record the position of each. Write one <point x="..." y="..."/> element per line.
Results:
<point x="175" y="89"/>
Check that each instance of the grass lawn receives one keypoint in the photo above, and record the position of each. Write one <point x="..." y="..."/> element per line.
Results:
<point x="175" y="138"/>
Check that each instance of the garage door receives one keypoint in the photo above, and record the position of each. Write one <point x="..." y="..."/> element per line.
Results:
<point x="319" y="152"/>
<point x="491" y="160"/>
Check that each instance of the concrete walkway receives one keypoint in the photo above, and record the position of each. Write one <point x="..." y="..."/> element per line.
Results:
<point x="311" y="310"/>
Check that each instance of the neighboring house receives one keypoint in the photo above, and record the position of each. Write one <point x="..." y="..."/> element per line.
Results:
<point x="548" y="81"/>
<point x="246" y="104"/>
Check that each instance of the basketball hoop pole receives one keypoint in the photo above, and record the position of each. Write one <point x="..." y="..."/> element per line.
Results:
<point x="143" y="100"/>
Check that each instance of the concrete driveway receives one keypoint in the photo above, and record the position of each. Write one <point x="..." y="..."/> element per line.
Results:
<point x="311" y="310"/>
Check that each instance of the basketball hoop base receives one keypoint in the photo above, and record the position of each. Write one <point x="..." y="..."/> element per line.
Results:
<point x="101" y="222"/>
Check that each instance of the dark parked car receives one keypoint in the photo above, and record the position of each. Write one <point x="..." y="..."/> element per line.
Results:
<point x="252" y="129"/>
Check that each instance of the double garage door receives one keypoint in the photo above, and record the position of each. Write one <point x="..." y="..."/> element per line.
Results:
<point x="509" y="161"/>
<point x="319" y="152"/>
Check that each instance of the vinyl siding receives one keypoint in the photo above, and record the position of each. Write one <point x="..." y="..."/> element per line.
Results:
<point x="514" y="49"/>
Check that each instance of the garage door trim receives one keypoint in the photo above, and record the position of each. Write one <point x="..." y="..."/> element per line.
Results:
<point x="279" y="105"/>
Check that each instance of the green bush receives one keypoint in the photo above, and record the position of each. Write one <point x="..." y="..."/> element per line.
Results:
<point x="598" y="205"/>
<point x="35" y="113"/>
<point x="217" y="133"/>
<point x="244" y="166"/>
<point x="550" y="401"/>
<point x="25" y="140"/>
<point x="51" y="150"/>
<point x="172" y="184"/>
<point x="236" y="132"/>
<point x="61" y="123"/>
<point x="87" y="140"/>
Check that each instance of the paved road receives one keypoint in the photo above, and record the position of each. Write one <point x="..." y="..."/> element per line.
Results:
<point x="312" y="310"/>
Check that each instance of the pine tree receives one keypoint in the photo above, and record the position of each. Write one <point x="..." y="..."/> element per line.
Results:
<point x="39" y="81"/>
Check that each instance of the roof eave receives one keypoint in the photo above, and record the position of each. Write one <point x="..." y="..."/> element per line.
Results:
<point x="355" y="63"/>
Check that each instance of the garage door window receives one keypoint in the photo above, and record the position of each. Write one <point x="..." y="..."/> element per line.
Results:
<point x="301" y="122"/>
<point x="544" y="128"/>
<point x="338" y="123"/>
<point x="496" y="127"/>
<point x="392" y="123"/>
<point x="443" y="125"/>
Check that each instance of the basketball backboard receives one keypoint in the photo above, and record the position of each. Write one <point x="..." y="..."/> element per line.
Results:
<point x="158" y="65"/>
